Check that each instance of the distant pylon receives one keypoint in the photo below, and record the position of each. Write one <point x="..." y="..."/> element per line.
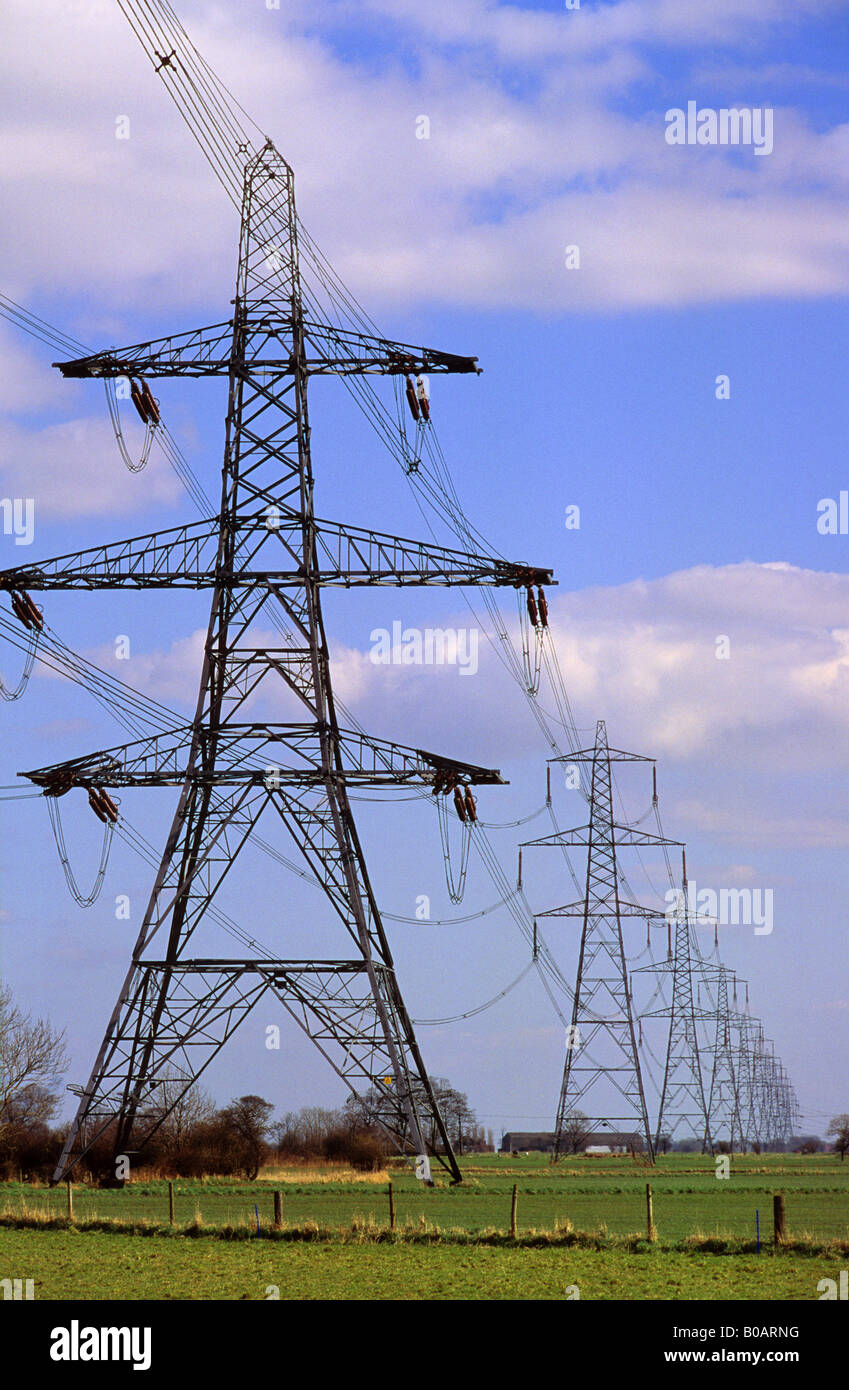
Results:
<point x="723" y="1103"/>
<point x="602" y="1011"/>
<point x="682" y="1095"/>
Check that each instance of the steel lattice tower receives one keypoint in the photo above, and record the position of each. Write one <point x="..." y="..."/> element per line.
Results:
<point x="264" y="554"/>
<point x="682" y="1092"/>
<point x="769" y="1110"/>
<point x="723" y="1104"/>
<point x="602" y="982"/>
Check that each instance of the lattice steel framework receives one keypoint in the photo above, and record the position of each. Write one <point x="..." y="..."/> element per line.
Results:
<point x="682" y="1094"/>
<point x="771" y="1109"/>
<point x="263" y="556"/>
<point x="602" y="1010"/>
<point x="724" y="1103"/>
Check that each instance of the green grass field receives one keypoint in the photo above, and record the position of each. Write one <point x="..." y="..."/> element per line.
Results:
<point x="451" y="1243"/>
<point x="93" y="1265"/>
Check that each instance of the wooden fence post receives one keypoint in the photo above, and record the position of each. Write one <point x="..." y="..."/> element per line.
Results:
<point x="513" y="1207"/>
<point x="779" y="1218"/>
<point x="391" y="1208"/>
<point x="278" y="1210"/>
<point x="652" y="1229"/>
<point x="70" y="1201"/>
<point x="170" y="1204"/>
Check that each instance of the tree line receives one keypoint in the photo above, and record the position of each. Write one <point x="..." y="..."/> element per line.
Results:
<point x="196" y="1136"/>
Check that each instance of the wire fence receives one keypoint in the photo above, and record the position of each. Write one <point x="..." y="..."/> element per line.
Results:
<point x="821" y="1215"/>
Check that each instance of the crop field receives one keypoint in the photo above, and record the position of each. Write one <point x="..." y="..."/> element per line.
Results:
<point x="580" y="1225"/>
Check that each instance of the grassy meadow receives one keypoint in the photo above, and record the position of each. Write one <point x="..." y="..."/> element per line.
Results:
<point x="581" y="1223"/>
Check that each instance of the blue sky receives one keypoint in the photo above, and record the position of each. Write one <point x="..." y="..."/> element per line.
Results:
<point x="698" y="515"/>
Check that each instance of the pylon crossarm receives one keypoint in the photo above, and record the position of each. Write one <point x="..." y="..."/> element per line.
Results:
<point x="267" y="348"/>
<point x="258" y="755"/>
<point x="172" y="557"/>
<point x="332" y="350"/>
<point x="267" y="549"/>
<point x="349" y="555"/>
<point x="197" y="352"/>
<point x="624" y="909"/>
<point x="613" y="755"/>
<point x="581" y="835"/>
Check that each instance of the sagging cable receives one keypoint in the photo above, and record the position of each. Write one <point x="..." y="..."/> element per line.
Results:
<point x="29" y="662"/>
<point x="84" y="899"/>
<point x="149" y="413"/>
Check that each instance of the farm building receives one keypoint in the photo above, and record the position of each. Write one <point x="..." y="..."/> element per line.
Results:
<point x="595" y="1142"/>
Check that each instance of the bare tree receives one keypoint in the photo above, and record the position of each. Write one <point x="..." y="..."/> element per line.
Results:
<point x="33" y="1057"/>
<point x="194" y="1107"/>
<point x="305" y="1131"/>
<point x="380" y="1105"/>
<point x="575" y="1131"/>
<point x="839" y="1127"/>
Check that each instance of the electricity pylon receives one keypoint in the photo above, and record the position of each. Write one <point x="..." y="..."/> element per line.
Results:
<point x="265" y="552"/>
<point x="602" y="1010"/>
<point x="774" y="1105"/>
<point x="682" y="1095"/>
<point x="724" y="1094"/>
<point x="769" y="1103"/>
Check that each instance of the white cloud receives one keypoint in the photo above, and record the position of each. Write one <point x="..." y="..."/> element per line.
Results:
<point x="479" y="214"/>
<point x="170" y="676"/>
<point x="523" y="34"/>
<point x="73" y="470"/>
<point x="643" y="656"/>
<point x="784" y="685"/>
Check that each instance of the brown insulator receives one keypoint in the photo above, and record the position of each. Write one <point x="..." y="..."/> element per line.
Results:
<point x="150" y="404"/>
<point x="19" y="609"/>
<point x="412" y="399"/>
<point x="422" y="397"/>
<point x="108" y="805"/>
<point x="94" y="803"/>
<point x="138" y="401"/>
<point x="438" y="777"/>
<point x="459" y="804"/>
<point x="471" y="806"/>
<point x="543" y="607"/>
<point x="34" y="613"/>
<point x="532" y="607"/>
